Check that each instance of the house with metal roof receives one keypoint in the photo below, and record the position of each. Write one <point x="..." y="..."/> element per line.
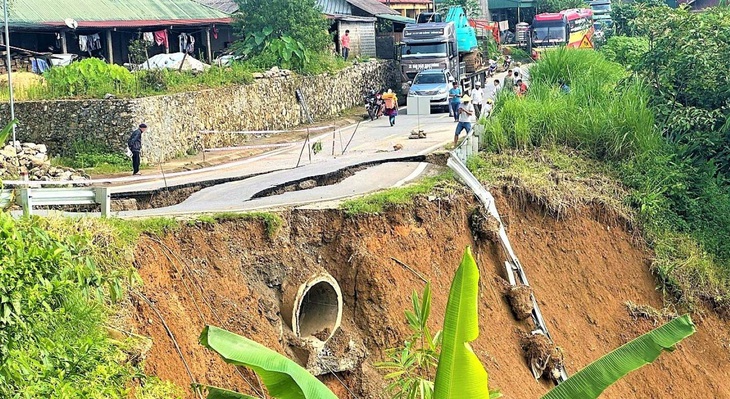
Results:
<point x="104" y="28"/>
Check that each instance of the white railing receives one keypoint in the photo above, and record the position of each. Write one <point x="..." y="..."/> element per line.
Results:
<point x="28" y="197"/>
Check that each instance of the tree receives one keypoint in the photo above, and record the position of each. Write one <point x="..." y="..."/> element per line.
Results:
<point x="558" y="5"/>
<point x="262" y="21"/>
<point x="472" y="7"/>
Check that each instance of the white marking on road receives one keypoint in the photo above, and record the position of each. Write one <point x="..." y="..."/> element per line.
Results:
<point x="421" y="167"/>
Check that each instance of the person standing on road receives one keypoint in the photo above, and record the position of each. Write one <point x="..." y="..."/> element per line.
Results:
<point x="391" y="106"/>
<point x="465" y="112"/>
<point x="345" y="42"/>
<point x="487" y="109"/>
<point x="509" y="81"/>
<point x="455" y="100"/>
<point x="135" y="146"/>
<point x="477" y="98"/>
<point x="497" y="88"/>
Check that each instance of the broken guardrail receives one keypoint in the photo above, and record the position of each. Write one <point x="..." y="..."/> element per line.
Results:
<point x="28" y="197"/>
<point x="457" y="162"/>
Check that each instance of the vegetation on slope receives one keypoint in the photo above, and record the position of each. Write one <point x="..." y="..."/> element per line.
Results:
<point x="684" y="205"/>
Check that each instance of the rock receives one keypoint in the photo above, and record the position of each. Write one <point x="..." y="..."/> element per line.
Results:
<point x="42" y="148"/>
<point x="274" y="69"/>
<point x="258" y="75"/>
<point x="397" y="147"/>
<point x="77" y="177"/>
<point x="29" y="145"/>
<point x="307" y="184"/>
<point x="108" y="96"/>
<point x="8" y="152"/>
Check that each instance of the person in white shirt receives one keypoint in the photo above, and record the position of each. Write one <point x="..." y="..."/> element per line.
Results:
<point x="477" y="98"/>
<point x="465" y="112"/>
<point x="487" y="108"/>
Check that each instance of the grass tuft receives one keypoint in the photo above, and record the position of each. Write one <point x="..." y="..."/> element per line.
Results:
<point x="381" y="201"/>
<point x="272" y="222"/>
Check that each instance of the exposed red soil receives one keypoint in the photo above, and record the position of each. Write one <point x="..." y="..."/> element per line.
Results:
<point x="582" y="272"/>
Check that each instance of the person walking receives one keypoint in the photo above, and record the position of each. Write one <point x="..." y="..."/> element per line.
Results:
<point x="345" y="42"/>
<point x="455" y="100"/>
<point x="509" y="81"/>
<point x="465" y="112"/>
<point x="391" y="106"/>
<point x="487" y="108"/>
<point x="477" y="98"/>
<point x="497" y="88"/>
<point x="135" y="146"/>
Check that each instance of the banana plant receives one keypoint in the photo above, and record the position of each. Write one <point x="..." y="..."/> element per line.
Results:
<point x="592" y="380"/>
<point x="5" y="132"/>
<point x="283" y="378"/>
<point x="460" y="374"/>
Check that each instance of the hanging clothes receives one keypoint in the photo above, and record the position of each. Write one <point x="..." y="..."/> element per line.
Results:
<point x="161" y="39"/>
<point x="84" y="43"/>
<point x="148" y="37"/>
<point x="94" y="42"/>
<point x="182" y="42"/>
<point x="39" y="65"/>
<point x="215" y="32"/>
<point x="190" y="48"/>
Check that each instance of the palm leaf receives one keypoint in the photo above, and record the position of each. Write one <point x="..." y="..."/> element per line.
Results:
<point x="591" y="381"/>
<point x="460" y="374"/>
<point x="283" y="378"/>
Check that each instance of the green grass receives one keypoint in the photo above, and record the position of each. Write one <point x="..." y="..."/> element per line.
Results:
<point x="381" y="201"/>
<point x="272" y="222"/>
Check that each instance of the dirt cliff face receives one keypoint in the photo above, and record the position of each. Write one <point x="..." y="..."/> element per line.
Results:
<point x="583" y="269"/>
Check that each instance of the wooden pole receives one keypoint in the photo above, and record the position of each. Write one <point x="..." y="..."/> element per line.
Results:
<point x="64" y="45"/>
<point x="109" y="47"/>
<point x="210" y="46"/>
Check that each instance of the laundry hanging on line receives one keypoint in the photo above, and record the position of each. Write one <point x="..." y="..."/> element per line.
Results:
<point x="90" y="42"/>
<point x="161" y="39"/>
<point x="39" y="65"/>
<point x="148" y="37"/>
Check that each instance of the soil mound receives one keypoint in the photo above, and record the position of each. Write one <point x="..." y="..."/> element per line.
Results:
<point x="582" y="268"/>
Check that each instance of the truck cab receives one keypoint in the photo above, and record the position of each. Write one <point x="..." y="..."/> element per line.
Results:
<point x="602" y="12"/>
<point x="428" y="46"/>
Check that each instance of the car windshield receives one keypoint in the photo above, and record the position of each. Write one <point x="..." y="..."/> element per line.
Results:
<point x="598" y="26"/>
<point x="429" y="78"/>
<point x="438" y="49"/>
<point x="554" y="32"/>
<point x="601" y="7"/>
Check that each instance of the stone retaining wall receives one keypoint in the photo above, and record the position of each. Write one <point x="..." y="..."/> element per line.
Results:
<point x="175" y="121"/>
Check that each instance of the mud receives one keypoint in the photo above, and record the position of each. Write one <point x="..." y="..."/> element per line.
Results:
<point x="520" y="300"/>
<point x="583" y="268"/>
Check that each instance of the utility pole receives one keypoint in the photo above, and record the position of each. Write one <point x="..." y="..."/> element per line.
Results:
<point x="10" y="68"/>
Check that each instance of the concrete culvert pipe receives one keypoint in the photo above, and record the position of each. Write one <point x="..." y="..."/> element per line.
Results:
<point x="313" y="307"/>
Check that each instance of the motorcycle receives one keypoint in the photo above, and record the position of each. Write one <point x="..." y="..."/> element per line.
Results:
<point x="492" y="68"/>
<point x="507" y="62"/>
<point x="374" y="105"/>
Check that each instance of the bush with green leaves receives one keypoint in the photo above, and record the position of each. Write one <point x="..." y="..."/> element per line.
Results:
<point x="54" y="284"/>
<point x="91" y="77"/>
<point x="625" y="50"/>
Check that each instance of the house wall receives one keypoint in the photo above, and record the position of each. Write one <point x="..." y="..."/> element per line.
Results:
<point x="175" y="121"/>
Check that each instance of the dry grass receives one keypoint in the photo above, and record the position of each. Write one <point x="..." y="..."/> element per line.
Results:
<point x="648" y="312"/>
<point x="559" y="181"/>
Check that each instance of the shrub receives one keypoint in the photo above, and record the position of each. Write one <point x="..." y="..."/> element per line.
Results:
<point x="625" y="50"/>
<point x="88" y="78"/>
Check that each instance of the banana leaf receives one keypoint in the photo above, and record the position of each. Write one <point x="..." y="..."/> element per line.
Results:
<point x="5" y="132"/>
<point x="592" y="380"/>
<point x="283" y="378"/>
<point x="460" y="374"/>
<point x="220" y="393"/>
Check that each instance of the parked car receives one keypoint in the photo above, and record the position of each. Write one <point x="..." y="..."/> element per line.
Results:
<point x="433" y="83"/>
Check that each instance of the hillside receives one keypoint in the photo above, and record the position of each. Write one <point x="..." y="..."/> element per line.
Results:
<point x="585" y="264"/>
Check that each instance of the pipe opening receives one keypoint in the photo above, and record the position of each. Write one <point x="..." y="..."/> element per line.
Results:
<point x="319" y="311"/>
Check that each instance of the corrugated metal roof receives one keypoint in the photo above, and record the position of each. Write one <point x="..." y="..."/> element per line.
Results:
<point x="397" y="18"/>
<point x="372" y="7"/>
<point x="335" y="7"/>
<point x="111" y="13"/>
<point x="226" y="6"/>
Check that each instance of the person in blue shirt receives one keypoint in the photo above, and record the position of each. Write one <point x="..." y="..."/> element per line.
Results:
<point x="455" y="100"/>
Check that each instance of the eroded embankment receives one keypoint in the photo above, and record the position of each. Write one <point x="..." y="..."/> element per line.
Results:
<point x="583" y="268"/>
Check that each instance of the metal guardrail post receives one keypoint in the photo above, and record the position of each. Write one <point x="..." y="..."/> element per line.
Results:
<point x="104" y="198"/>
<point x="26" y="200"/>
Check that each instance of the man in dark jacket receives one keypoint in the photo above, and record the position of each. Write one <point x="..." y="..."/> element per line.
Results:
<point x="135" y="145"/>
